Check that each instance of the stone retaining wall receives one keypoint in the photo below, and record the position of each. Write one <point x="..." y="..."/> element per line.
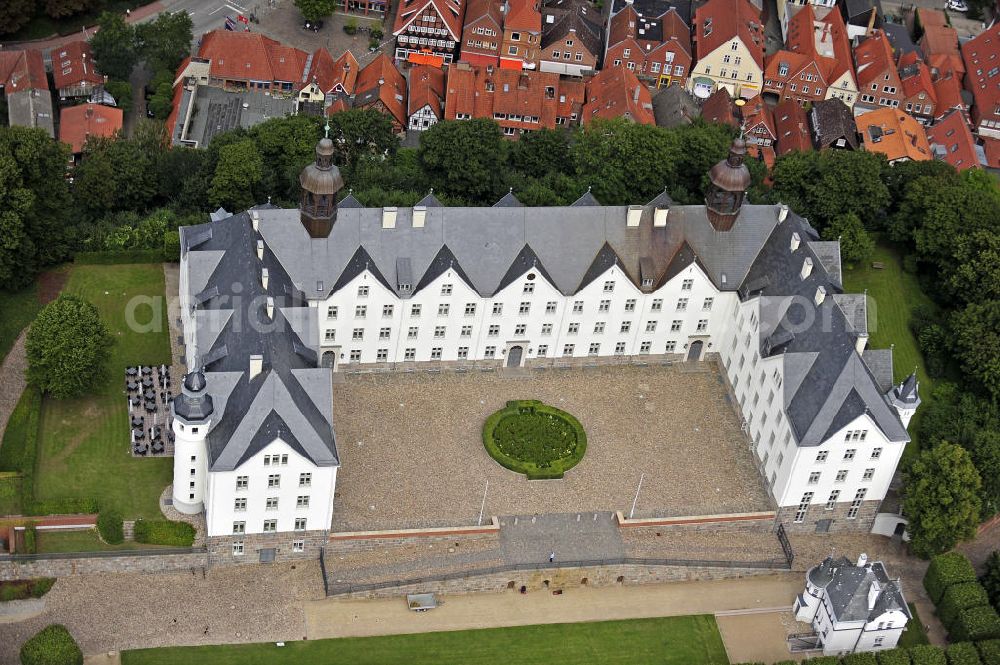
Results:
<point x="367" y="541"/>
<point x="559" y="578"/>
<point x="838" y="518"/>
<point x="220" y="548"/>
<point x="11" y="569"/>
<point x="756" y="522"/>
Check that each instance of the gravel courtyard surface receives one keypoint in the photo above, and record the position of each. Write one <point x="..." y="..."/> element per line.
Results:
<point x="249" y="603"/>
<point x="412" y="455"/>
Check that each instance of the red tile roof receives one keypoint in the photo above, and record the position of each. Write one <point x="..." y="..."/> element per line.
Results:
<point x="22" y="70"/>
<point x="426" y="89"/>
<point x="894" y="134"/>
<point x="450" y="11"/>
<point x="873" y="57"/>
<point x="477" y="93"/>
<point x="948" y="90"/>
<point x="380" y="80"/>
<point x="333" y="75"/>
<point x="73" y="65"/>
<point x="916" y="78"/>
<point x="242" y="56"/>
<point x="76" y="123"/>
<point x="523" y="15"/>
<point x="823" y="42"/>
<point x="940" y="40"/>
<point x="719" y="21"/>
<point x="791" y="127"/>
<point x="953" y="135"/>
<point x="992" y="149"/>
<point x="982" y="75"/>
<point x="616" y="92"/>
<point x="719" y="108"/>
<point x="931" y="17"/>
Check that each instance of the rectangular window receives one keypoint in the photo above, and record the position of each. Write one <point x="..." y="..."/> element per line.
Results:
<point x="358" y="334"/>
<point x="800" y="514"/>
<point x="331" y="312"/>
<point x="497" y="308"/>
<point x="274" y="480"/>
<point x="609" y="286"/>
<point x="831" y="503"/>
<point x="443" y="310"/>
<point x="550" y="307"/>
<point x="650" y="326"/>
<point x="682" y="305"/>
<point x="604" y="306"/>
<point x="626" y="326"/>
<point x="814" y="477"/>
<point x="463" y="352"/>
<point x="272" y="503"/>
<point x="384" y="333"/>
<point x="298" y="545"/>
<point x="239" y="527"/>
<point x="439" y="332"/>
<point x="361" y="311"/>
<point x="595" y="348"/>
<point x="470" y="309"/>
<point x="671" y="347"/>
<point x="270" y="526"/>
<point x="240" y="504"/>
<point x="520" y="329"/>
<point x="841" y="476"/>
<point x="382" y="355"/>
<point x="490" y="352"/>
<point x="821" y="456"/>
<point x="300" y="524"/>
<point x="305" y="479"/>
<point x="529" y="287"/>
<point x="578" y="307"/>
<point x="706" y="305"/>
<point x="687" y="285"/>
<point x="849" y="454"/>
<point x="546" y="329"/>
<point x="573" y="329"/>
<point x="238" y="548"/>
<point x="466" y="331"/>
<point x="630" y="305"/>
<point x="543" y="350"/>
<point x="657" y="305"/>
<point x="868" y="475"/>
<point x="330" y="335"/>
<point x="494" y="331"/>
<point x="242" y="482"/>
<point x="355" y="355"/>
<point x="362" y="291"/>
<point x="568" y="349"/>
<point x="436" y="353"/>
<point x="599" y="328"/>
<point x="876" y="453"/>
<point x="645" y="347"/>
<point x="702" y="325"/>
<point x="446" y="289"/>
<point x="619" y="348"/>
<point x="524" y="308"/>
<point x="411" y="333"/>
<point x="387" y="311"/>
<point x="859" y="498"/>
<point x="675" y="325"/>
<point x="415" y="311"/>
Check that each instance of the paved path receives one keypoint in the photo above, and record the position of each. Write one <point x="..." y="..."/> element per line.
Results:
<point x="572" y="536"/>
<point x="356" y="618"/>
<point x="12" y="379"/>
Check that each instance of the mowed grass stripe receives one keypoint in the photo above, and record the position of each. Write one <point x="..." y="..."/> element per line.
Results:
<point x="84" y="441"/>
<point x="687" y="640"/>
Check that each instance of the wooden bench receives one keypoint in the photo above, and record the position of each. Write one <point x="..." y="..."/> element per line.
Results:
<point x="878" y="265"/>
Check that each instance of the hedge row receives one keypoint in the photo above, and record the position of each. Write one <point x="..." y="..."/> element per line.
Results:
<point x="961" y="653"/>
<point x="958" y="598"/>
<point x="962" y="603"/>
<point x="22" y="589"/>
<point x="164" y="532"/>
<point x="946" y="570"/>
<point x="123" y="256"/>
<point x="109" y="525"/>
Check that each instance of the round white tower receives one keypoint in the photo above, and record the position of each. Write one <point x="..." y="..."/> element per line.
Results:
<point x="192" y="418"/>
<point x="905" y="398"/>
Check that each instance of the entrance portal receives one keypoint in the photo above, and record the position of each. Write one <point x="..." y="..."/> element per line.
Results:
<point x="514" y="356"/>
<point x="694" y="351"/>
<point x="329" y="358"/>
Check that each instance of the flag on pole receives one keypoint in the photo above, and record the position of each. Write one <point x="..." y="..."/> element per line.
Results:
<point x="242" y="19"/>
<point x="230" y="23"/>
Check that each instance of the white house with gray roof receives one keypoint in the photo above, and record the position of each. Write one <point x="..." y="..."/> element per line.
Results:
<point x="852" y="606"/>
<point x="275" y="300"/>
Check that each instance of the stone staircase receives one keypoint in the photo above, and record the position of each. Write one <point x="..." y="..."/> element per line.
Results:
<point x="128" y="527"/>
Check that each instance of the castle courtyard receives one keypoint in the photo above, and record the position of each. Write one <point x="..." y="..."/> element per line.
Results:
<point x="411" y="448"/>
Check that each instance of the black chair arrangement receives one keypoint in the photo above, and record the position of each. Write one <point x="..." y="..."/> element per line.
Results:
<point x="147" y="387"/>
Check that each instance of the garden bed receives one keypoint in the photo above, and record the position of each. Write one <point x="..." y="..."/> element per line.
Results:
<point x="24" y="589"/>
<point x="533" y="438"/>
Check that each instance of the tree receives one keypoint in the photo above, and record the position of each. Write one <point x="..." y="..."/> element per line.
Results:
<point x="701" y="146"/>
<point x="122" y="92"/>
<point x="52" y="645"/>
<point x="314" y="10"/>
<point x="239" y="171"/>
<point x="977" y="343"/>
<point x="114" y="46"/>
<point x="465" y="158"/>
<point x="976" y="261"/>
<point x="941" y="499"/>
<point x="162" y="101"/>
<point x="117" y="173"/>
<point x="67" y="347"/>
<point x="15" y="14"/>
<point x="361" y="132"/>
<point x="63" y="8"/>
<point x="856" y="246"/>
<point x="165" y="42"/>
<point x="540" y="153"/>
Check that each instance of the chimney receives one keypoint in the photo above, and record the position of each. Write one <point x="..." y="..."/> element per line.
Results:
<point x="660" y="217"/>
<point x="820" y="295"/>
<point x="256" y="365"/>
<point x="862" y="560"/>
<point x="419" y="213"/>
<point x="270" y="308"/>
<point x="264" y="275"/>
<point x="873" y="593"/>
<point x="254" y="219"/>
<point x="389" y="217"/>
<point x="807" y="267"/>
<point x="634" y="215"/>
<point x="260" y="250"/>
<point x="860" y="343"/>
<point x="796" y="239"/>
<point x="782" y="212"/>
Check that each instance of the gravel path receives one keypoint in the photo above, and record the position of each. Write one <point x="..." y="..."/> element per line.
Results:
<point x="412" y="454"/>
<point x="250" y="603"/>
<point x="12" y="378"/>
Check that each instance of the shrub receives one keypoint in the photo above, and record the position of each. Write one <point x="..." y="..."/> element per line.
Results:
<point x="23" y="589"/>
<point x="927" y="654"/>
<point x="535" y="439"/>
<point x="989" y="651"/>
<point x="894" y="657"/>
<point x="41" y="586"/>
<point x="976" y="623"/>
<point x="30" y="539"/>
<point x="53" y="645"/>
<point x="945" y="570"/>
<point x="109" y="525"/>
<point x="822" y="660"/>
<point x="991" y="578"/>
<point x="962" y="653"/>
<point x="164" y="532"/>
<point x="171" y="246"/>
<point x="860" y="659"/>
<point x="120" y="257"/>
<point x="67" y="347"/>
<point x="960" y="597"/>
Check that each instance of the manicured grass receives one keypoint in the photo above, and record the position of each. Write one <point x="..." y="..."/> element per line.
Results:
<point x="689" y="640"/>
<point x="51" y="542"/>
<point x="84" y="442"/>
<point x="19" y="309"/>
<point x="892" y="295"/>
<point x="914" y="633"/>
<point x="13" y="461"/>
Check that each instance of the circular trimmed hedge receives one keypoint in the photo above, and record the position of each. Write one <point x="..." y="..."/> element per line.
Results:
<point x="533" y="438"/>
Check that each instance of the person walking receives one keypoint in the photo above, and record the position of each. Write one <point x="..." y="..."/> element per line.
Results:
<point x="552" y="557"/>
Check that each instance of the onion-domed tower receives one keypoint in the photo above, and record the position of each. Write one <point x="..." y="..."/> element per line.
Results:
<point x="192" y="418"/>
<point x="730" y="179"/>
<point x="320" y="182"/>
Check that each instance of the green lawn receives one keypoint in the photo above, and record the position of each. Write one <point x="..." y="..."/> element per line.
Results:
<point x="914" y="633"/>
<point x="51" y="542"/>
<point x="84" y="442"/>
<point x="689" y="640"/>
<point x="12" y="457"/>
<point x="892" y="295"/>
<point x="19" y="309"/>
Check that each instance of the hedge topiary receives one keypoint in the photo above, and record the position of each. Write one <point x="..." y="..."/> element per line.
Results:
<point x="945" y="570"/>
<point x="164" y="532"/>
<point x="927" y="654"/>
<point x="861" y="658"/>
<point x="976" y="623"/>
<point x="989" y="652"/>
<point x="52" y="645"/>
<point x="822" y="660"/>
<point x="962" y="653"/>
<point x="894" y="657"/>
<point x="109" y="525"/>
<point x="535" y="439"/>
<point x="958" y="597"/>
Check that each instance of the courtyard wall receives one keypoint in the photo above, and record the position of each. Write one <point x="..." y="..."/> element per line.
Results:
<point x="64" y="565"/>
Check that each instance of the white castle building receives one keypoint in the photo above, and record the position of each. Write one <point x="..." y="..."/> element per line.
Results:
<point x="852" y="607"/>
<point x="275" y="300"/>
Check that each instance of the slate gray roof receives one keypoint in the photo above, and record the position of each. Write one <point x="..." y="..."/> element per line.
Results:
<point x="290" y="398"/>
<point x="847" y="586"/>
<point x="830" y="120"/>
<point x="827" y="384"/>
<point x="579" y="16"/>
<point x="508" y="201"/>
<point x="674" y="106"/>
<point x="879" y="361"/>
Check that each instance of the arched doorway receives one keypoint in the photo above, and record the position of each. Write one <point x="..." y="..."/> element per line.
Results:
<point x="329" y="358"/>
<point x="694" y="351"/>
<point x="514" y="356"/>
